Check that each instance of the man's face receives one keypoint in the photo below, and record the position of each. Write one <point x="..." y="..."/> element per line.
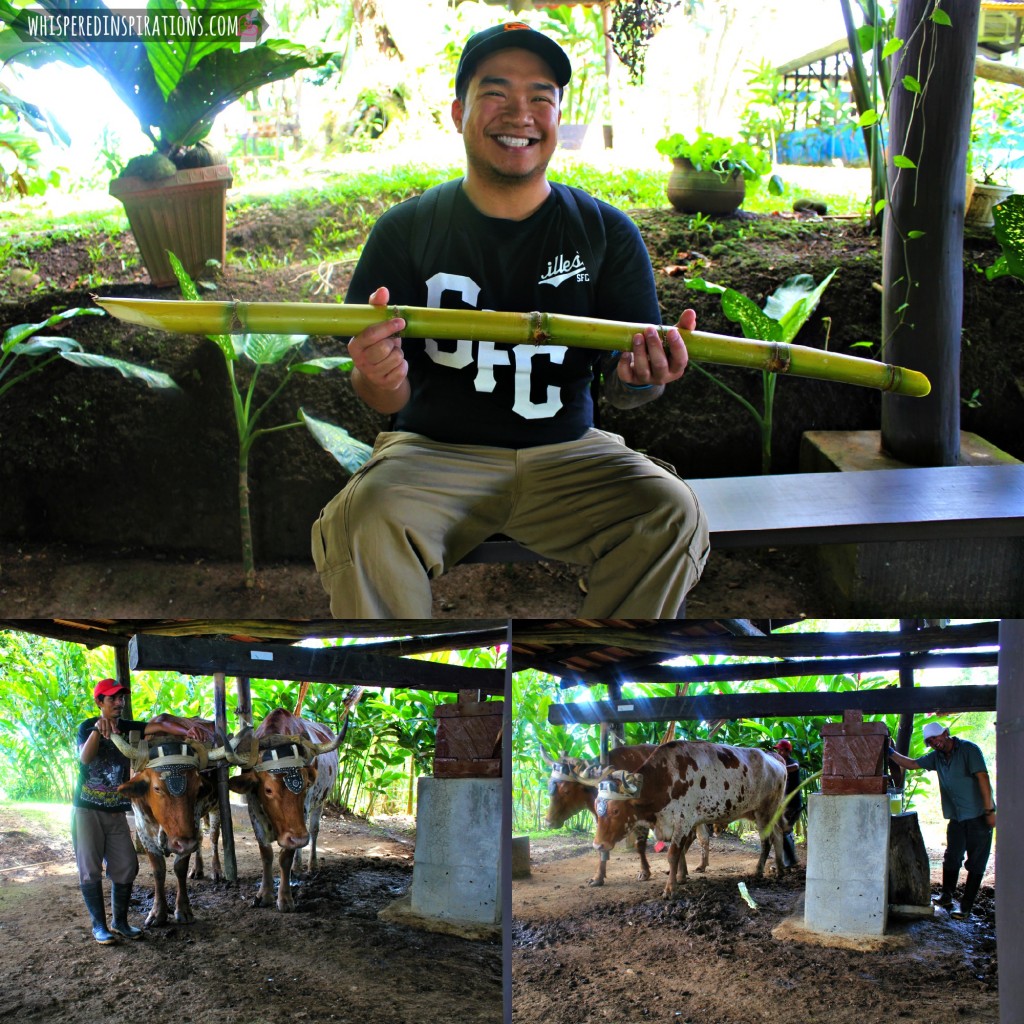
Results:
<point x="943" y="744"/>
<point x="509" y="119"/>
<point x="111" y="705"/>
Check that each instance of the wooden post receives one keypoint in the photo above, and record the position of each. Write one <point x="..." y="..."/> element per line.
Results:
<point x="1010" y="804"/>
<point x="923" y="276"/>
<point x="123" y="674"/>
<point x="220" y="730"/>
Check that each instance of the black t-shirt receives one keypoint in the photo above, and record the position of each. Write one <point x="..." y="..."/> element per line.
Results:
<point x="509" y="396"/>
<point x="98" y="780"/>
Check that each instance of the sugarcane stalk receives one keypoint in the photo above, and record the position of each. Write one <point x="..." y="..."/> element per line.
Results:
<point x="184" y="317"/>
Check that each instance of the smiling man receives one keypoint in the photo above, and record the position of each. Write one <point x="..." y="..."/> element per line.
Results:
<point x="492" y="438"/>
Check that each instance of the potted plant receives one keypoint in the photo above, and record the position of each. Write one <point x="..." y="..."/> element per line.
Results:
<point x="175" y="196"/>
<point x="992" y="148"/>
<point x="710" y="172"/>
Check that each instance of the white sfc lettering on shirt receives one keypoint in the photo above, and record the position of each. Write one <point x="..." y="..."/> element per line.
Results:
<point x="488" y="356"/>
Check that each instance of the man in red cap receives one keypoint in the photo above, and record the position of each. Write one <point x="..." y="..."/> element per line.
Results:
<point x="794" y="806"/>
<point x="100" y="828"/>
<point x="489" y="437"/>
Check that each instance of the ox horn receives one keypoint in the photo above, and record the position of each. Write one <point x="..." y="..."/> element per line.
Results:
<point x="138" y="755"/>
<point x="548" y="759"/>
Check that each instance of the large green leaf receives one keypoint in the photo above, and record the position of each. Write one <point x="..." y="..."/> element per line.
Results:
<point x="794" y="301"/>
<point x="752" y="320"/>
<point x="267" y="349"/>
<point x="1009" y="231"/>
<point x="349" y="452"/>
<point x="19" y="332"/>
<point x="152" y="378"/>
<point x="47" y="343"/>
<point x="322" y="365"/>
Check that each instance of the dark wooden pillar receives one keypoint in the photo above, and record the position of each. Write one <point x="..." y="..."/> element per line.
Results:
<point x="1010" y="816"/>
<point x="220" y="728"/>
<point x="123" y="674"/>
<point x="922" y="276"/>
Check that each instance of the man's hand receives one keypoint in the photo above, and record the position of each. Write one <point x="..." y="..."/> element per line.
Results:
<point x="652" y="363"/>
<point x="380" y="374"/>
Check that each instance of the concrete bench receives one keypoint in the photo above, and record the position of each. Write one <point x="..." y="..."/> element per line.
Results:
<point x="917" y="504"/>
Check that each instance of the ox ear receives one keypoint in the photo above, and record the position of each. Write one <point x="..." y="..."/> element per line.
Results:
<point x="244" y="783"/>
<point x="135" y="788"/>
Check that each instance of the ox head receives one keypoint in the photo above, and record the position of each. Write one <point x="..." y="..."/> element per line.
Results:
<point x="569" y="792"/>
<point x="167" y="784"/>
<point x="279" y="773"/>
<point x="615" y="805"/>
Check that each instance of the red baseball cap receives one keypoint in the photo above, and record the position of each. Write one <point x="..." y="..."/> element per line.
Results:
<point x="784" y="745"/>
<point x="106" y="687"/>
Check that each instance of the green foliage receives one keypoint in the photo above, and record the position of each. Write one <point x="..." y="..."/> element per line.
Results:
<point x="175" y="88"/>
<point x="996" y="132"/>
<point x="579" y="32"/>
<point x="1009" y="231"/>
<point x="785" y="311"/>
<point x="37" y="351"/>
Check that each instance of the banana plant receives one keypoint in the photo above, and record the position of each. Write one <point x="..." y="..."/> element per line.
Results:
<point x="260" y="350"/>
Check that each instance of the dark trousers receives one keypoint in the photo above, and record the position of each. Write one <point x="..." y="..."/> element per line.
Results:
<point x="971" y="837"/>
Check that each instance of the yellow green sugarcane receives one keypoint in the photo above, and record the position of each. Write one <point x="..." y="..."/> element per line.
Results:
<point x="185" y="317"/>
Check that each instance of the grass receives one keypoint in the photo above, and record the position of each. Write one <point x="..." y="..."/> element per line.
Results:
<point x="53" y="819"/>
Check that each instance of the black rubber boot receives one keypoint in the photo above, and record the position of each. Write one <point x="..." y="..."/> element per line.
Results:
<point x="120" y="897"/>
<point x="789" y="858"/>
<point x="971" y="887"/>
<point x="948" y="888"/>
<point x="92" y="893"/>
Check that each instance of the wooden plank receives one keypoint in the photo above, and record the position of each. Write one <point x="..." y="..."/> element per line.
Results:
<point x="774" y="645"/>
<point x="792" y="669"/>
<point x="921" y="503"/>
<point x="866" y="505"/>
<point x="892" y="700"/>
<point x="485" y="768"/>
<point x="341" y="666"/>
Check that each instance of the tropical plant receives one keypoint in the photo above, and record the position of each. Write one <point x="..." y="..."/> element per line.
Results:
<point x="996" y="133"/>
<point x="580" y="33"/>
<point x="260" y="350"/>
<point x="23" y="353"/>
<point x="175" y="87"/>
<point x="786" y="310"/>
<point x="727" y="157"/>
<point x="1009" y="231"/>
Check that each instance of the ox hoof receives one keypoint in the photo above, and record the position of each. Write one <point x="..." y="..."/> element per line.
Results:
<point x="155" y="921"/>
<point x="187" y="918"/>
<point x="596" y="882"/>
<point x="643" y="876"/>
<point x="701" y="869"/>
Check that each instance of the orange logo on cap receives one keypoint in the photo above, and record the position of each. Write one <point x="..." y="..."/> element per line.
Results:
<point x="508" y="26"/>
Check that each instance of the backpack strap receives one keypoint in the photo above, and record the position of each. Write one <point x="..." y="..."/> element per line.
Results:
<point x="586" y="226"/>
<point x="433" y="209"/>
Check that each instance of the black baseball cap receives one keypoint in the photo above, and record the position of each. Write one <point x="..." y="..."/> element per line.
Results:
<point x="503" y="37"/>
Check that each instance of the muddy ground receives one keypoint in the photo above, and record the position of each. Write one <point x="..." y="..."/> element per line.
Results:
<point x="620" y="953"/>
<point x="123" y="501"/>
<point x="331" y="960"/>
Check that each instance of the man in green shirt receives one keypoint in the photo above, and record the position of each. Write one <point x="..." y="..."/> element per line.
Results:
<point x="967" y="804"/>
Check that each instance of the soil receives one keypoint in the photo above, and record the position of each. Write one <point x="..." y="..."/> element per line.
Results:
<point x="622" y="952"/>
<point x="124" y="499"/>
<point x="332" y="959"/>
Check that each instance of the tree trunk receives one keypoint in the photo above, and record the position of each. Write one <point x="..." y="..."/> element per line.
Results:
<point x="923" y="276"/>
<point x="909" y="873"/>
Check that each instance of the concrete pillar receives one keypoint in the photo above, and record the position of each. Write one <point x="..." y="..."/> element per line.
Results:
<point x="457" y="871"/>
<point x="847" y="864"/>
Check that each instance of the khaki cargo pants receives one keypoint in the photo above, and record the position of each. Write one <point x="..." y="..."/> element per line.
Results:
<point x="417" y="507"/>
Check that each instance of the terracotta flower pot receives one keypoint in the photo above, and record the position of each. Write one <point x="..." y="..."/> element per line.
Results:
<point x="185" y="213"/>
<point x="693" y="191"/>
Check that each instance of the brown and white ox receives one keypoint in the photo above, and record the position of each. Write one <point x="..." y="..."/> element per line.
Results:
<point x="288" y="780"/>
<point x="689" y="783"/>
<point x="572" y="788"/>
<point x="171" y="791"/>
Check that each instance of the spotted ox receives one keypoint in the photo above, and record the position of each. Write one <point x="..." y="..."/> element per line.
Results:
<point x="689" y="783"/>
<point x="170" y="793"/>
<point x="571" y="790"/>
<point x="290" y="774"/>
